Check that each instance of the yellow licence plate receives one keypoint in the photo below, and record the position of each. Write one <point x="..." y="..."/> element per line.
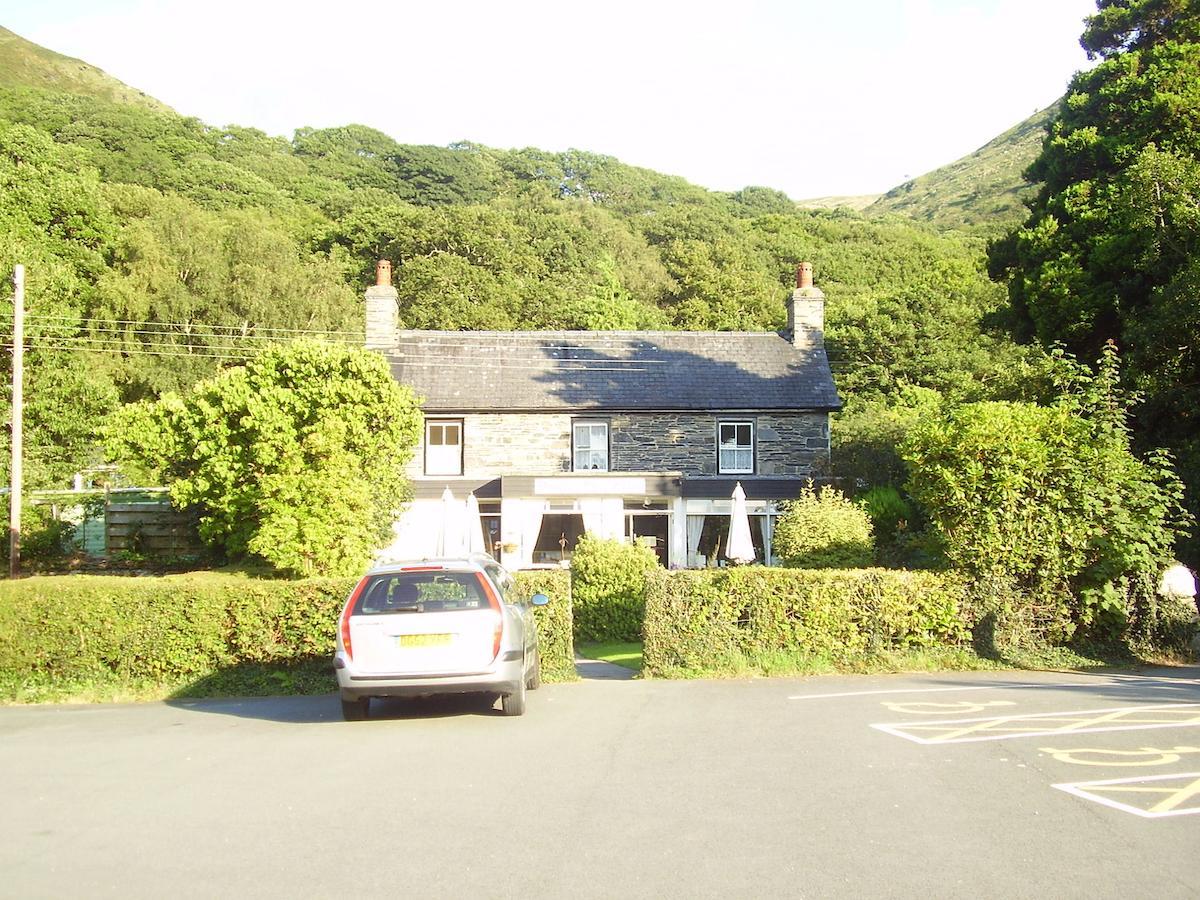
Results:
<point x="425" y="640"/>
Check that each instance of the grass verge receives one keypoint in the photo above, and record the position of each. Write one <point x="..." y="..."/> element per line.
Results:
<point x="782" y="663"/>
<point x="627" y="654"/>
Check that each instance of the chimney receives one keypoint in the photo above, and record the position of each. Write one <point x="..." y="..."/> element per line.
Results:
<point x="806" y="311"/>
<point x="381" y="309"/>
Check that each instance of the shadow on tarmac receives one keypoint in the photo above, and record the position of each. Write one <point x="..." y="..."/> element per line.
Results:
<point x="325" y="708"/>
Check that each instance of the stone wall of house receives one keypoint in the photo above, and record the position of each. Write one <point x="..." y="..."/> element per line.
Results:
<point x="786" y="443"/>
<point x="792" y="443"/>
<point x="509" y="444"/>
<point x="540" y="443"/>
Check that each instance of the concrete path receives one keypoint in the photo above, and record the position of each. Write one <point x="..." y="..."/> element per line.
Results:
<point x="599" y="670"/>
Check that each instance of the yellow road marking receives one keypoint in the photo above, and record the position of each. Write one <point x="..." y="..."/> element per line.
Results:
<point x="937" y="709"/>
<point x="1175" y="791"/>
<point x="1178" y="798"/>
<point x="994" y="728"/>
<point x="1144" y="756"/>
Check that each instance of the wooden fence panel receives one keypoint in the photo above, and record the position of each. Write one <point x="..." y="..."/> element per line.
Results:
<point x="152" y="529"/>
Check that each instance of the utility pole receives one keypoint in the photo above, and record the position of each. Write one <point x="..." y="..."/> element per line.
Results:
<point x="18" y="391"/>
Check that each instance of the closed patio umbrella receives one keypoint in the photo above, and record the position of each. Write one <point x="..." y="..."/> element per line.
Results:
<point x="450" y="540"/>
<point x="740" y="547"/>
<point x="476" y="543"/>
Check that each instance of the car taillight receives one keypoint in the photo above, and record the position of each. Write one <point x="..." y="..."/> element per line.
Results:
<point x="494" y="603"/>
<point x="347" y="613"/>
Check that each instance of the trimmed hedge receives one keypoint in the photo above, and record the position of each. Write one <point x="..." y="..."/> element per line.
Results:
<point x="696" y="618"/>
<point x="608" y="583"/>
<point x="219" y="633"/>
<point x="555" y="628"/>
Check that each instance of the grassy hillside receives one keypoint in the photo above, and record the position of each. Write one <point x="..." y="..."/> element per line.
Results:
<point x="985" y="189"/>
<point x="25" y="64"/>
<point x="856" y="203"/>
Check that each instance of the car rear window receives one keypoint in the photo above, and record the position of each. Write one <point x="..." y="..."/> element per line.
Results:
<point x="418" y="592"/>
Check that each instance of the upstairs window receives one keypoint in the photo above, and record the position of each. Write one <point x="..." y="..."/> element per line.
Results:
<point x="589" y="440"/>
<point x="444" y="447"/>
<point x="735" y="448"/>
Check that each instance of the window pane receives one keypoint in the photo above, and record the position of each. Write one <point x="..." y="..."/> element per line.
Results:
<point x="743" y="435"/>
<point x="736" y="459"/>
<point x="591" y="446"/>
<point x="435" y="435"/>
<point x="451" y="434"/>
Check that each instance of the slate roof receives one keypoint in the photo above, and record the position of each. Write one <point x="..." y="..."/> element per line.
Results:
<point x="535" y="371"/>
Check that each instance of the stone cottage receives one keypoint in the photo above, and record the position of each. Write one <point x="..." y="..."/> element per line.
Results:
<point x="634" y="435"/>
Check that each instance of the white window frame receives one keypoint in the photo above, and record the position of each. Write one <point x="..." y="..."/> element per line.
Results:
<point x="443" y="461"/>
<point x="590" y="425"/>
<point x="735" y="448"/>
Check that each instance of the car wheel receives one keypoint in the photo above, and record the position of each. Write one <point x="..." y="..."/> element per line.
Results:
<point x="356" y="710"/>
<point x="535" y="675"/>
<point x="514" y="704"/>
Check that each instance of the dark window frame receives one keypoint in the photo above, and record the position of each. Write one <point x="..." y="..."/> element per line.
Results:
<point x="753" y="424"/>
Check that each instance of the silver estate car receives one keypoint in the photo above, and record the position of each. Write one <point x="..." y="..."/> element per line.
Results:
<point x="437" y="626"/>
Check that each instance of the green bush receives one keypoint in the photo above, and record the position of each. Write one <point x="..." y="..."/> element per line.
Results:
<point x="1051" y="497"/>
<point x="1161" y="624"/>
<point x="43" y="537"/>
<point x="823" y="530"/>
<point x="697" y="619"/>
<point x="890" y="513"/>
<point x="208" y="633"/>
<point x="555" y="629"/>
<point x="608" y="588"/>
<point x="866" y="436"/>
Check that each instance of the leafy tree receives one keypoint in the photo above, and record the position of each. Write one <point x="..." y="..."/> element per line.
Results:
<point x="905" y="305"/>
<point x="296" y="458"/>
<point x="722" y="278"/>
<point x="752" y="202"/>
<point x="1109" y="248"/>
<point x="200" y="287"/>
<point x="53" y="220"/>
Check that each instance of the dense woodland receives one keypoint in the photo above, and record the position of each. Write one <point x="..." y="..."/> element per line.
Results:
<point x="160" y="249"/>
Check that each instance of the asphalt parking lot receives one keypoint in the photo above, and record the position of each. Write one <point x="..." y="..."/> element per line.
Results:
<point x="946" y="785"/>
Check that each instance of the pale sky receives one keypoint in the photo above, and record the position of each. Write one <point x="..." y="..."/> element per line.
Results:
<point x="813" y="97"/>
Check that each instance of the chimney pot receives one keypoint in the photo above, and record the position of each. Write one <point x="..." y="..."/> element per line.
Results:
<point x="382" y="317"/>
<point x="806" y="311"/>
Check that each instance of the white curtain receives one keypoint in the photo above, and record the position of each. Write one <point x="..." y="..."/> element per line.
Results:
<point x="452" y="530"/>
<point x="695" y="527"/>
<point x="531" y="527"/>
